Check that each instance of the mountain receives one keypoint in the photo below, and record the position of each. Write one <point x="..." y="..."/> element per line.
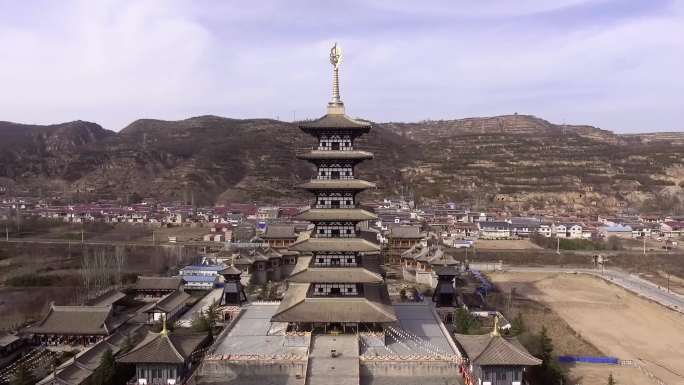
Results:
<point x="519" y="161"/>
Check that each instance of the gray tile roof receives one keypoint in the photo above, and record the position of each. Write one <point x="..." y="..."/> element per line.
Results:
<point x="75" y="320"/>
<point x="314" y="215"/>
<point x="374" y="306"/>
<point x="335" y="244"/>
<point x="333" y="154"/>
<point x="303" y="273"/>
<point x="170" y="302"/>
<point x="337" y="184"/>
<point x="335" y="121"/>
<point x="279" y="232"/>
<point x="412" y="232"/>
<point x="159" y="348"/>
<point x="158" y="283"/>
<point x="489" y="349"/>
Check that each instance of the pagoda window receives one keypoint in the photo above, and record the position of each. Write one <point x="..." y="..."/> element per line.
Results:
<point x="335" y="143"/>
<point x="335" y="289"/>
<point x="335" y="171"/>
<point x="335" y="260"/>
<point x="335" y="200"/>
<point x="336" y="230"/>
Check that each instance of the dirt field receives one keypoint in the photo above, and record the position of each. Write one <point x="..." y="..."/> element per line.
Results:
<point x="505" y="244"/>
<point x="615" y="321"/>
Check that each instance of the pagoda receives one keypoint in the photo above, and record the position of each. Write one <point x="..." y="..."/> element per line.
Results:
<point x="337" y="284"/>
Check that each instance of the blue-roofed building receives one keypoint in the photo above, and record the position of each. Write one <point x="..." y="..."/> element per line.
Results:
<point x="202" y="269"/>
<point x="200" y="282"/>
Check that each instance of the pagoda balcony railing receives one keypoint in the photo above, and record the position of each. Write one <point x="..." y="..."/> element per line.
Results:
<point x="335" y="236"/>
<point x="335" y="206"/>
<point x="327" y="177"/>
<point x="306" y="150"/>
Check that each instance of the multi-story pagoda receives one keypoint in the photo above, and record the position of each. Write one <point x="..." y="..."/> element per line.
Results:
<point x="337" y="283"/>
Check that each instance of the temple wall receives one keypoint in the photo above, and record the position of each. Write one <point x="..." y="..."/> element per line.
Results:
<point x="219" y="372"/>
<point x="420" y="370"/>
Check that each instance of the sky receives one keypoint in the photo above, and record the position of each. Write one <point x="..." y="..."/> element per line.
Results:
<point x="618" y="65"/>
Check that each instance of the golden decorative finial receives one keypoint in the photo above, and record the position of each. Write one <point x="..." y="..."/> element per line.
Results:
<point x="495" y="332"/>
<point x="164" y="331"/>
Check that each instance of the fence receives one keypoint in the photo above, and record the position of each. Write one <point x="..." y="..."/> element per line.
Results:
<point x="590" y="359"/>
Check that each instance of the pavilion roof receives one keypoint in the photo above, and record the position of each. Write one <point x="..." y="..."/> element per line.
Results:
<point x="493" y="349"/>
<point x="163" y="348"/>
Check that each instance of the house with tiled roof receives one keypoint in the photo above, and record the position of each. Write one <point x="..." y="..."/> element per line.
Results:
<point x="165" y="358"/>
<point x="493" y="359"/>
<point x="73" y="325"/>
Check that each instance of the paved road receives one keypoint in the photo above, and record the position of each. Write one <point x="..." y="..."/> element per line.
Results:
<point x="627" y="281"/>
<point x="203" y="304"/>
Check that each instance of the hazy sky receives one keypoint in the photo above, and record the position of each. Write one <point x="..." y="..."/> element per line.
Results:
<point x="618" y="65"/>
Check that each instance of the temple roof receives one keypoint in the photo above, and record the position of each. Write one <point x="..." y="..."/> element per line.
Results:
<point x="158" y="283"/>
<point x="230" y="270"/>
<point x="314" y="215"/>
<point x="279" y="232"/>
<point x="304" y="273"/>
<point x="493" y="349"/>
<point x="337" y="184"/>
<point x="75" y="320"/>
<point x="336" y="121"/>
<point x="163" y="348"/>
<point x="171" y="301"/>
<point x="410" y="232"/>
<point x="335" y="154"/>
<point x="335" y="244"/>
<point x="296" y="306"/>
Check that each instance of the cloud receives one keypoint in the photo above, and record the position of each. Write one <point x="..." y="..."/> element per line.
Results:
<point x="589" y="62"/>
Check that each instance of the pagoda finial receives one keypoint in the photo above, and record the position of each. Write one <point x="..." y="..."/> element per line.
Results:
<point x="495" y="331"/>
<point x="336" y="106"/>
<point x="164" y="331"/>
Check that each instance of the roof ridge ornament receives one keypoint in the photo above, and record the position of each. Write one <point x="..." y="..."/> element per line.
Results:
<point x="336" y="106"/>
<point x="495" y="331"/>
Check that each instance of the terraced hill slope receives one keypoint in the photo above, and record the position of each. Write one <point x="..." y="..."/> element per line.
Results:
<point x="518" y="161"/>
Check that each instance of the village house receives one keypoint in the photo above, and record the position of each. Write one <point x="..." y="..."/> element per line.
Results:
<point x="567" y="230"/>
<point x="672" y="229"/>
<point x="495" y="230"/>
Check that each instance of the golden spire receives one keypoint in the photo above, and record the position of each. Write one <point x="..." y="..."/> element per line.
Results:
<point x="495" y="331"/>
<point x="164" y="331"/>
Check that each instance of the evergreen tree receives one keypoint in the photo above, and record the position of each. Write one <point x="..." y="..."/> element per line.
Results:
<point x="549" y="372"/>
<point x="464" y="322"/>
<point x="611" y="380"/>
<point x="23" y="376"/>
<point x="518" y="325"/>
<point x="105" y="373"/>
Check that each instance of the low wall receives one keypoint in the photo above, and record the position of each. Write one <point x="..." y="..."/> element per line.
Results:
<point x="218" y="372"/>
<point x="408" y="368"/>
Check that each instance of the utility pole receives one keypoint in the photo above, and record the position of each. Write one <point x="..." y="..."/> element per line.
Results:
<point x="557" y="244"/>
<point x="82" y="236"/>
<point x="6" y="233"/>
<point x="644" y="236"/>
